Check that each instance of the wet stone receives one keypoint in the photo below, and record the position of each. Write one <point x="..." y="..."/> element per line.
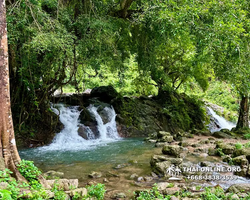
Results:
<point x="173" y="150"/>
<point x="95" y="175"/>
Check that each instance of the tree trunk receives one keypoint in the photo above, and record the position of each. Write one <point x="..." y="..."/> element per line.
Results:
<point x="8" y="150"/>
<point x="244" y="112"/>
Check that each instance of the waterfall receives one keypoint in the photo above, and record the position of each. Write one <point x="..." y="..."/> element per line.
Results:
<point x="109" y="129"/>
<point x="69" y="138"/>
<point x="220" y="122"/>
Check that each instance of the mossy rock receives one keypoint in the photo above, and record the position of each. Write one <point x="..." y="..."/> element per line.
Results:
<point x="240" y="160"/>
<point x="172" y="150"/>
<point x="166" y="139"/>
<point x="220" y="134"/>
<point x="226" y="148"/>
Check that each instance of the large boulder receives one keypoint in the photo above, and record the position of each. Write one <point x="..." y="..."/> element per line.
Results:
<point x="239" y="187"/>
<point x="64" y="184"/>
<point x="240" y="160"/>
<point x="220" y="134"/>
<point x="53" y="174"/>
<point x="105" y="93"/>
<point x="226" y="148"/>
<point x="160" y="164"/>
<point x="172" y="150"/>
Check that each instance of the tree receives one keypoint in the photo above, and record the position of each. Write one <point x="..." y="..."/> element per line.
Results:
<point x="165" y="46"/>
<point x="227" y="43"/>
<point x="8" y="149"/>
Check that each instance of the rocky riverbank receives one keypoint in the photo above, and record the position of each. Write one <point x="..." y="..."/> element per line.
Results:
<point x="191" y="154"/>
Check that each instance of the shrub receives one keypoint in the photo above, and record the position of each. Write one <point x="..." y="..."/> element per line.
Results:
<point x="238" y="145"/>
<point x="30" y="172"/>
<point x="97" y="191"/>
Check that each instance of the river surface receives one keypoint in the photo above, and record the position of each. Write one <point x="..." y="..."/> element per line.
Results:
<point x="79" y="163"/>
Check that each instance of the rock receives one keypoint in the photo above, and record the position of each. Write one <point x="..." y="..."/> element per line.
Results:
<point x="160" y="144"/>
<point x="246" y="152"/>
<point x="184" y="143"/>
<point x="212" y="152"/>
<point x="239" y="188"/>
<point x="50" y="194"/>
<point x="133" y="161"/>
<point x="112" y="174"/>
<point x="174" y="198"/>
<point x="83" y="132"/>
<point x="226" y="148"/>
<point x="95" y="175"/>
<point x="171" y="191"/>
<point x="160" y="158"/>
<point x="195" y="195"/>
<point x="148" y="178"/>
<point x="152" y="141"/>
<point x="235" y="197"/>
<point x="166" y="139"/>
<point x="196" y="145"/>
<point x="81" y="191"/>
<point x="162" y="185"/>
<point x="226" y="158"/>
<point x="219" y="134"/>
<point x="206" y="132"/>
<point x="160" y="164"/>
<point x="154" y="175"/>
<point x="120" y="196"/>
<point x="3" y="185"/>
<point x="161" y="134"/>
<point x="121" y="166"/>
<point x="140" y="179"/>
<point x="133" y="176"/>
<point x="105" y="180"/>
<point x="242" y="195"/>
<point x="173" y="150"/>
<point x="206" y="164"/>
<point x="53" y="174"/>
<point x="91" y="183"/>
<point x="65" y="184"/>
<point x="240" y="160"/>
<point x="105" y="93"/>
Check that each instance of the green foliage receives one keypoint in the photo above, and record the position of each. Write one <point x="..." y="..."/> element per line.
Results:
<point x="76" y="196"/>
<point x="12" y="184"/>
<point x="5" y="194"/>
<point x="59" y="193"/>
<point x="96" y="191"/>
<point x="185" y="112"/>
<point x="152" y="194"/>
<point x="238" y="145"/>
<point x="219" y="93"/>
<point x="247" y="145"/>
<point x="170" y="185"/>
<point x="247" y="136"/>
<point x="216" y="194"/>
<point x="30" y="172"/>
<point x="219" y="152"/>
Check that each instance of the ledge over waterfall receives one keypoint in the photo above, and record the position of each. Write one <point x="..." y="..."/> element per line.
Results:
<point x="140" y="116"/>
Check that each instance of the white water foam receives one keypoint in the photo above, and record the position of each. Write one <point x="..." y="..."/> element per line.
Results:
<point x="109" y="129"/>
<point x="222" y="122"/>
<point x="69" y="139"/>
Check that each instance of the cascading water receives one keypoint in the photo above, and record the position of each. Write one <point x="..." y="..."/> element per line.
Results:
<point x="220" y="122"/>
<point x="69" y="139"/>
<point x="109" y="129"/>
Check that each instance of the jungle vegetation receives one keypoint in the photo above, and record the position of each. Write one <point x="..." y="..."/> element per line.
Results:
<point x="138" y="46"/>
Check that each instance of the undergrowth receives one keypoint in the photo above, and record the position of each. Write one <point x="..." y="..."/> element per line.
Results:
<point x="34" y="189"/>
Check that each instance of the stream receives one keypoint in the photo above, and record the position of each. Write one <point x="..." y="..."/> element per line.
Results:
<point x="106" y="152"/>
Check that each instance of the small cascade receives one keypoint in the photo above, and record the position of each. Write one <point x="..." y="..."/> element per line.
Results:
<point x="219" y="122"/>
<point x="70" y="139"/>
<point x="109" y="129"/>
